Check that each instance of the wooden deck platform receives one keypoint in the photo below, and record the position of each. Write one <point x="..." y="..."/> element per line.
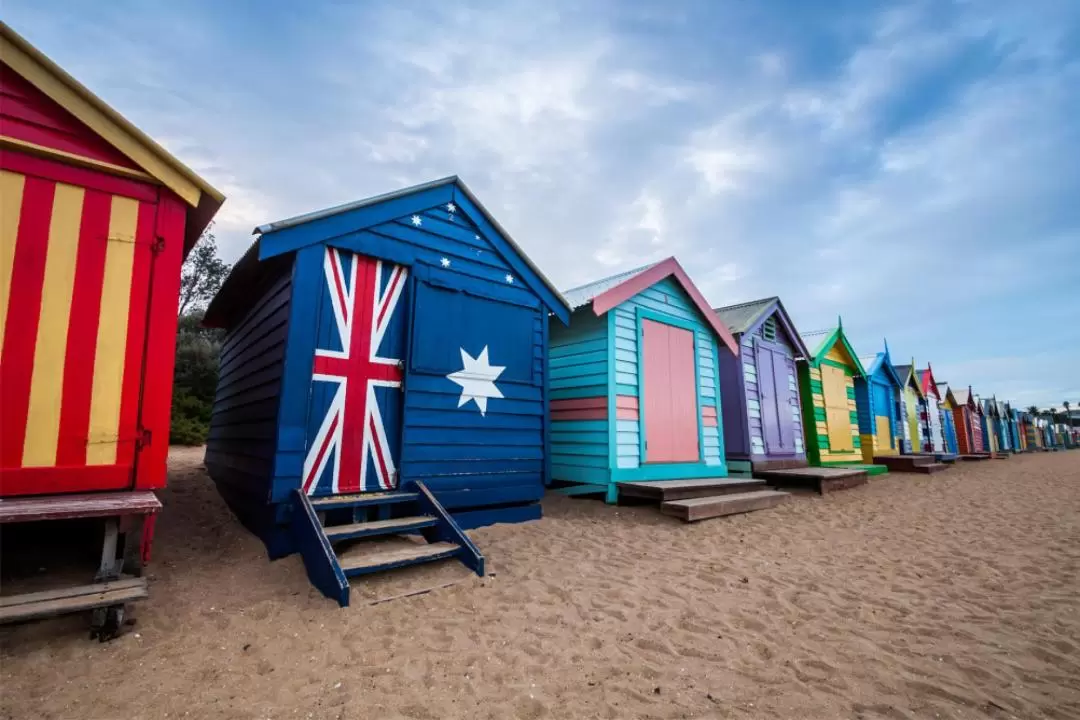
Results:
<point x="32" y="606"/>
<point x="923" y="463"/>
<point x="819" y="479"/>
<point x="669" y="490"/>
<point x="700" y="508"/>
<point x="974" y="456"/>
<point x="64" y="507"/>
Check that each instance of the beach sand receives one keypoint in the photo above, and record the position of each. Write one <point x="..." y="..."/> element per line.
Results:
<point x="950" y="596"/>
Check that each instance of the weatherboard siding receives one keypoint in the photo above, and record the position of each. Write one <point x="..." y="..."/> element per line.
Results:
<point x="579" y="360"/>
<point x="241" y="443"/>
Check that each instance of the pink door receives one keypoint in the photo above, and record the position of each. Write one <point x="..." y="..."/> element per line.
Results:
<point x="670" y="402"/>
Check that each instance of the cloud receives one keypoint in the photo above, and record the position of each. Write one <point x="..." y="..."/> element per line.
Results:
<point x="909" y="168"/>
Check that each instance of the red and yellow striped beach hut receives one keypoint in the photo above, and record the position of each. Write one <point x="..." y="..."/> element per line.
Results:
<point x="95" y="222"/>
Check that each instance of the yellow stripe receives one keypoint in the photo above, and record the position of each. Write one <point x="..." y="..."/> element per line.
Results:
<point x="112" y="333"/>
<point x="63" y="156"/>
<point x="47" y="386"/>
<point x="11" y="192"/>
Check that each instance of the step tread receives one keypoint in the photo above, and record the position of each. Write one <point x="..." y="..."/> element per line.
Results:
<point x="682" y="484"/>
<point x="398" y="555"/>
<point x="728" y="499"/>
<point x="377" y="526"/>
<point x="362" y="498"/>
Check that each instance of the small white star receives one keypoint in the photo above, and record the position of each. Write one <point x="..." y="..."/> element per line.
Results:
<point x="476" y="236"/>
<point x="416" y="220"/>
<point x="445" y="262"/>
<point x="451" y="207"/>
<point x="510" y="278"/>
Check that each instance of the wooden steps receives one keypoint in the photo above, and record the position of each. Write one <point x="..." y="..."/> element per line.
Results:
<point x="918" y="463"/>
<point x="819" y="479"/>
<point x="352" y="531"/>
<point x="367" y="539"/>
<point x="700" y="508"/>
<point x="374" y="559"/>
<point x="973" y="457"/>
<point x="669" y="490"/>
<point x="88" y="505"/>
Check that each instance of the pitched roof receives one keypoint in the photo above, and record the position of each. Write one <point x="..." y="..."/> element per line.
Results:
<point x="823" y="340"/>
<point x="745" y="317"/>
<point x="907" y="374"/>
<point x="615" y="290"/>
<point x="881" y="361"/>
<point x="159" y="165"/>
<point x="287" y="223"/>
<point x="583" y="294"/>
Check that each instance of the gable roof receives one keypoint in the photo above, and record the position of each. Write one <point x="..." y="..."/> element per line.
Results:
<point x="156" y="163"/>
<point x="967" y="397"/>
<point x="289" y="235"/>
<point x="926" y="380"/>
<point x="907" y="375"/>
<point x="583" y="295"/>
<point x="610" y="292"/>
<point x="883" y="363"/>
<point x="823" y="340"/>
<point x="946" y="392"/>
<point x="746" y="317"/>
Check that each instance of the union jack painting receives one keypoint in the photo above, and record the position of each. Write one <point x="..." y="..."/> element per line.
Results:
<point x="358" y="367"/>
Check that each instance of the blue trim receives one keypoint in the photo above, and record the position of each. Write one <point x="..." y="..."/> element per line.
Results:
<point x="306" y="306"/>
<point x="554" y="303"/>
<point x="571" y="490"/>
<point x="334" y="226"/>
<point x="646" y="314"/>
<point x="320" y="561"/>
<point x="545" y="364"/>
<point x="449" y="531"/>
<point x="612" y="411"/>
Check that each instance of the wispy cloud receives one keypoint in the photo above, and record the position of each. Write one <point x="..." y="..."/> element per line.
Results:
<point x="911" y="168"/>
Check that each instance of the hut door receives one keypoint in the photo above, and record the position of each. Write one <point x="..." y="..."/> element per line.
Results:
<point x="670" y="389"/>
<point x="354" y="423"/>
<point x="775" y="401"/>
<point x="837" y="413"/>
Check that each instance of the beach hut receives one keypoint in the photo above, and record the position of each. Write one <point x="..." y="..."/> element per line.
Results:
<point x="827" y="391"/>
<point x="384" y="371"/>
<point x="988" y="422"/>
<point x="762" y="420"/>
<point x="1001" y="427"/>
<point x="1015" y="436"/>
<point x="948" y="422"/>
<point x="911" y="402"/>
<point x="933" y="430"/>
<point x="635" y="395"/>
<point x="968" y="418"/>
<point x="877" y="399"/>
<point x="95" y="222"/>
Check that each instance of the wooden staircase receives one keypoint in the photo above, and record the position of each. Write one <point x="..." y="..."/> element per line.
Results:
<point x="343" y="536"/>
<point x="925" y="464"/>
<point x="699" y="499"/>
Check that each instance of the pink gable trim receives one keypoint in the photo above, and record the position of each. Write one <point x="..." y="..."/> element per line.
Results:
<point x="622" y="292"/>
<point x="928" y="381"/>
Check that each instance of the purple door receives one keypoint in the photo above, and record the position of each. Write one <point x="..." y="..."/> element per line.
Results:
<point x="783" y="403"/>
<point x="775" y="398"/>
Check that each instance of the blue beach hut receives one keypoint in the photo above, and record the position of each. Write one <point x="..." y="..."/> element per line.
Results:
<point x="384" y="376"/>
<point x="877" y="399"/>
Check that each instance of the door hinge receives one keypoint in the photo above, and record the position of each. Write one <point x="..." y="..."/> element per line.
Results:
<point x="158" y="245"/>
<point x="143" y="438"/>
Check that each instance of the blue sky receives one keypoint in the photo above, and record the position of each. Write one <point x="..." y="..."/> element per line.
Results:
<point x="912" y="166"/>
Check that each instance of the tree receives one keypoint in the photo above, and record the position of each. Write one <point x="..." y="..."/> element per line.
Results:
<point x="197" y="348"/>
<point x="202" y="275"/>
<point x="1034" y="410"/>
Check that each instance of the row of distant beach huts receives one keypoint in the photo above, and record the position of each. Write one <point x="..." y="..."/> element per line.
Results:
<point x="395" y="370"/>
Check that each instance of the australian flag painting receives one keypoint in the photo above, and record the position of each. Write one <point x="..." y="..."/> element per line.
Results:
<point x="355" y="414"/>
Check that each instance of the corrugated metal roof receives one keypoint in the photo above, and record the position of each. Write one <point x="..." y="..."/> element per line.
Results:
<point x="815" y="338"/>
<point x="904" y="371"/>
<point x="740" y="318"/>
<point x="576" y="297"/>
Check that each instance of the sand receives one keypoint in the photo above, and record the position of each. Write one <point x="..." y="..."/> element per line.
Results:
<point x="950" y="596"/>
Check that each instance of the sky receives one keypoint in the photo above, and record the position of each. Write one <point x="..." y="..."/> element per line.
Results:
<point x="911" y="167"/>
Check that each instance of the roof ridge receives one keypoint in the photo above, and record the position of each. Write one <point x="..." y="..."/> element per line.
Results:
<point x="747" y="303"/>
